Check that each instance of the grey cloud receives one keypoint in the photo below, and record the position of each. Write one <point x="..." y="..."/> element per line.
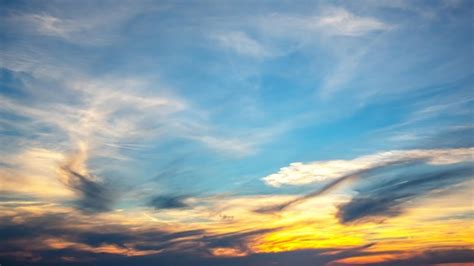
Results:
<point x="94" y="196"/>
<point x="23" y="242"/>
<point x="190" y="247"/>
<point x="387" y="199"/>
<point x="168" y="202"/>
<point x="455" y="256"/>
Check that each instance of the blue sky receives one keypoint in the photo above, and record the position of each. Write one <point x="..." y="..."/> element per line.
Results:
<point x="197" y="101"/>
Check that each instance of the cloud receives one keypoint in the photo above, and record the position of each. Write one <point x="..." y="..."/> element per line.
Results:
<point x="325" y="189"/>
<point x="342" y="171"/>
<point x="111" y="112"/>
<point x="339" y="21"/>
<point x="77" y="24"/>
<point x="53" y="26"/>
<point x="330" y="22"/>
<point x="46" y="237"/>
<point x="33" y="172"/>
<point x="303" y="32"/>
<point x="440" y="257"/>
<point x="59" y="239"/>
<point x="94" y="195"/>
<point x="168" y="202"/>
<point x="387" y="199"/>
<point x="242" y="44"/>
<point x="319" y="171"/>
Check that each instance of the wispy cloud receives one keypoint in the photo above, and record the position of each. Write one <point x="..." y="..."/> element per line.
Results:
<point x="242" y="43"/>
<point x="102" y="119"/>
<point x="83" y="27"/>
<point x="330" y="21"/>
<point x="338" y="21"/>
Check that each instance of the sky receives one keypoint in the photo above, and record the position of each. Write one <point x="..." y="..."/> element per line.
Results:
<point x="236" y="132"/>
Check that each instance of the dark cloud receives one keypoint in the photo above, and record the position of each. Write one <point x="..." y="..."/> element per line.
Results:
<point x="179" y="258"/>
<point x="94" y="196"/>
<point x="168" y="202"/>
<point x="23" y="242"/>
<point x="21" y="245"/>
<point x="234" y="240"/>
<point x="37" y="227"/>
<point x="308" y="257"/>
<point x="457" y="256"/>
<point x="7" y="196"/>
<point x="386" y="199"/>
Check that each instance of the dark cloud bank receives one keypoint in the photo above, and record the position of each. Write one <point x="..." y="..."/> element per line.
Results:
<point x="190" y="247"/>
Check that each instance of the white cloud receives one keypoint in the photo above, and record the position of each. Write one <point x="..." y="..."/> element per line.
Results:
<point x="88" y="30"/>
<point x="301" y="173"/>
<point x="241" y="43"/>
<point x="331" y="22"/>
<point x="54" y="26"/>
<point x="78" y="24"/>
<point x="341" y="22"/>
